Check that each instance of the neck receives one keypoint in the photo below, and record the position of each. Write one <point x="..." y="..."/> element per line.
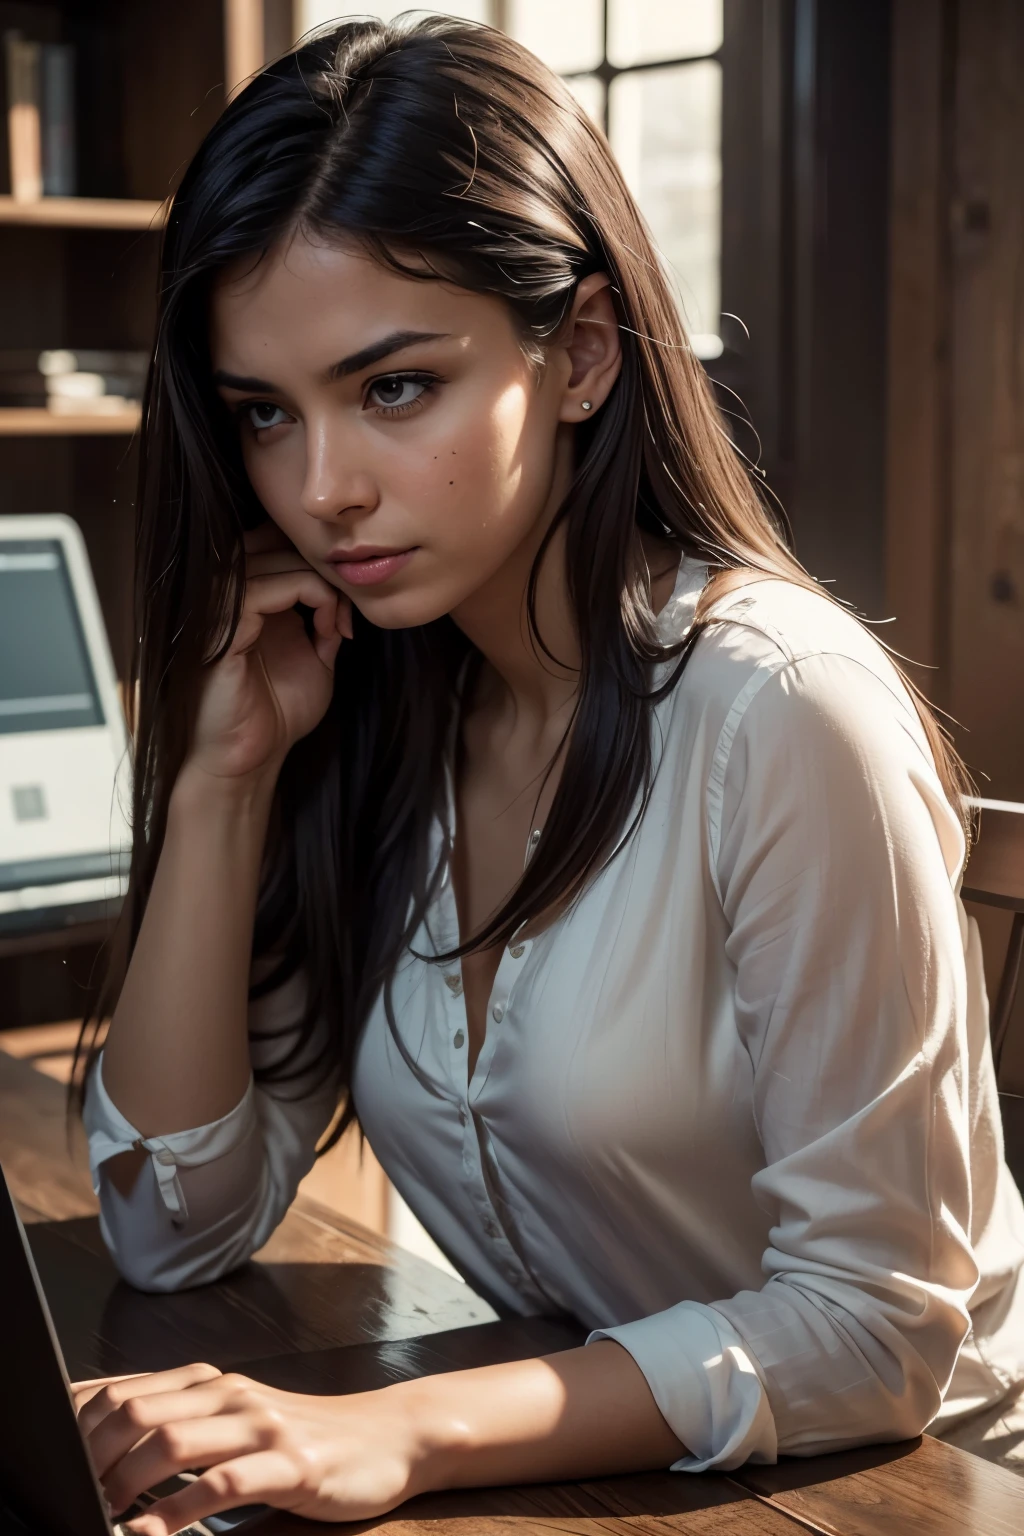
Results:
<point x="535" y="686"/>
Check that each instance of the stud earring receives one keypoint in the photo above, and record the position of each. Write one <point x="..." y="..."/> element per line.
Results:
<point x="584" y="405"/>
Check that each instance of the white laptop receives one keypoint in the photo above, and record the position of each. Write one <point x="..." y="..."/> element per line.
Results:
<point x="64" y="839"/>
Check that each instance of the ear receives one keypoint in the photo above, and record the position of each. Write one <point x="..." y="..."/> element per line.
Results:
<point x="591" y="341"/>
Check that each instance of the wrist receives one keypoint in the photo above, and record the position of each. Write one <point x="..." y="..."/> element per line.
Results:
<point x="197" y="790"/>
<point x="437" y="1436"/>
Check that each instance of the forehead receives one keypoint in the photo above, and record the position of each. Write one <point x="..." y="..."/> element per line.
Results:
<point x="309" y="298"/>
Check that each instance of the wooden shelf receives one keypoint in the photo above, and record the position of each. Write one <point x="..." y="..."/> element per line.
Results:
<point x="28" y="422"/>
<point x="84" y="213"/>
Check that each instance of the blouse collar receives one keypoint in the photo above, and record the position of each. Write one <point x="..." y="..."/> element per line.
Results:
<point x="676" y="618"/>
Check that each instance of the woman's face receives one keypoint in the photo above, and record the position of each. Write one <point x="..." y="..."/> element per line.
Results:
<point x="393" y="429"/>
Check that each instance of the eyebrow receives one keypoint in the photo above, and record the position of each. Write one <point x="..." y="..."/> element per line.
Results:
<point x="397" y="341"/>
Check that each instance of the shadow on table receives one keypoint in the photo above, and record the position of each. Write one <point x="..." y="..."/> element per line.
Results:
<point x="266" y="1308"/>
<point x="793" y="1472"/>
<point x="605" y="1505"/>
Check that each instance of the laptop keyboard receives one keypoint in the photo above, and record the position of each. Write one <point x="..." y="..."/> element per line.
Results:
<point x="213" y="1525"/>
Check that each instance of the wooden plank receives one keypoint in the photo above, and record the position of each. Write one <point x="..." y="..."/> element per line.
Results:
<point x="42" y="1152"/>
<point x="84" y="212"/>
<point x="31" y="421"/>
<point x="320" y="1282"/>
<point x="657" y="1504"/>
<point x="916" y="1488"/>
<point x="995" y="870"/>
<point x="917" y="407"/>
<point x="987" y="215"/>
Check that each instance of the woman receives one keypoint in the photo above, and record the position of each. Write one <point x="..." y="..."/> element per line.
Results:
<point x="502" y="777"/>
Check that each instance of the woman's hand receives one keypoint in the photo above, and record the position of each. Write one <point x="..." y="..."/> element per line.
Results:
<point x="327" y="1458"/>
<point x="274" y="684"/>
<point x="580" y="1413"/>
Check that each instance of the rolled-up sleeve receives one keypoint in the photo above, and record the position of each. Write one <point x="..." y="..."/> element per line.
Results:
<point x="208" y="1197"/>
<point x="836" y="856"/>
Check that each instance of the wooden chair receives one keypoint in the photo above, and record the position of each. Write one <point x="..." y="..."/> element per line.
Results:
<point x="995" y="878"/>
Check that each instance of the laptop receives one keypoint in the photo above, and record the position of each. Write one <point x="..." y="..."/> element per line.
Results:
<point x="47" y="1483"/>
<point x="64" y="839"/>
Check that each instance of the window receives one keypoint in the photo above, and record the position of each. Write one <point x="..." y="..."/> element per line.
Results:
<point x="650" y="72"/>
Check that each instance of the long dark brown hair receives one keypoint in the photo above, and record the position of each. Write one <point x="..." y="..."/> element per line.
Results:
<point x="443" y="142"/>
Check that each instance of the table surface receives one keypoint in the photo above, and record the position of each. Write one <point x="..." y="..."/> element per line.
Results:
<point x="328" y="1307"/>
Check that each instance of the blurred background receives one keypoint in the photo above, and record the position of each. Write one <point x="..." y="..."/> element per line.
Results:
<point x="836" y="188"/>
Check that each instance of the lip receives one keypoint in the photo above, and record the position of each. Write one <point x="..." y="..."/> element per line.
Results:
<point x="367" y="565"/>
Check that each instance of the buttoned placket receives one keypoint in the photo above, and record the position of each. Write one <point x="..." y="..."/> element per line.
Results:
<point x="476" y="1142"/>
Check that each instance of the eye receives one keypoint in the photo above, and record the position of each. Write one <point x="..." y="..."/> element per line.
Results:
<point x="261" y="413"/>
<point x="397" y="391"/>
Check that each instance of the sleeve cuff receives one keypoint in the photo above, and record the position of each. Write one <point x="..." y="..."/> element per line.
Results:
<point x="110" y="1134"/>
<point x="705" y="1383"/>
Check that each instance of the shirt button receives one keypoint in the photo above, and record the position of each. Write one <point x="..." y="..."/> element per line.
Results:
<point x="491" y="1228"/>
<point x="462" y="1115"/>
<point x="167" y="1158"/>
<point x="459" y="1040"/>
<point x="517" y="951"/>
<point x="498" y="1013"/>
<point x="454" y="984"/>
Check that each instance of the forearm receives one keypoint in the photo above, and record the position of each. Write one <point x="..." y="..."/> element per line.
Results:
<point x="582" y="1413"/>
<point x="177" y="1053"/>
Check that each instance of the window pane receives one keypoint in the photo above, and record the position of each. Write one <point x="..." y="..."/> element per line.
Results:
<point x="640" y="31"/>
<point x="589" y="92"/>
<point x="566" y="34"/>
<point x="665" y="127"/>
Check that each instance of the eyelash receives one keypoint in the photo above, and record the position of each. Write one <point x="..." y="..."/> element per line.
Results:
<point x="429" y="382"/>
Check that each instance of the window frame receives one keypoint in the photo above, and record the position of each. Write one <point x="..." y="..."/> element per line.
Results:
<point x="608" y="72"/>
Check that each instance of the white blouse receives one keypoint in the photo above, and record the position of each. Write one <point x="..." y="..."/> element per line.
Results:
<point x="736" y="1109"/>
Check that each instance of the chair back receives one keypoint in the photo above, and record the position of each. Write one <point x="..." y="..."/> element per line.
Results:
<point x="994" y="877"/>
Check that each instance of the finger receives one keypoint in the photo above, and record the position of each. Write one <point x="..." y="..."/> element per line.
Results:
<point x="177" y="1447"/>
<point x="251" y="625"/>
<point x="83" y="1391"/>
<point x="129" y="1424"/>
<point x="266" y="535"/>
<point x="120" y="1391"/>
<point x="343" y="618"/>
<point x="266" y="1477"/>
<point x="278" y="593"/>
<point x="281" y="591"/>
<point x="271" y="561"/>
<point x="327" y="649"/>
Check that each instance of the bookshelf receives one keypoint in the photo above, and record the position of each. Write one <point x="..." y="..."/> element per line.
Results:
<point x="79" y="272"/>
<point x="30" y="421"/>
<point x="83" y="212"/>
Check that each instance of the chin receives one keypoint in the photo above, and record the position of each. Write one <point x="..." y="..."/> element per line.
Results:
<point x="402" y="610"/>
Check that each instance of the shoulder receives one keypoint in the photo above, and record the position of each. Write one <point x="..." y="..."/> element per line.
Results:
<point x="817" y="652"/>
<point x="811" y="725"/>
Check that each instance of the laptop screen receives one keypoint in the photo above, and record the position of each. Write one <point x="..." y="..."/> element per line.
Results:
<point x="46" y="680"/>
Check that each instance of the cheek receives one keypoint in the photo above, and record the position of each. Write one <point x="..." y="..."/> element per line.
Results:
<point x="489" y="481"/>
<point x="277" y="483"/>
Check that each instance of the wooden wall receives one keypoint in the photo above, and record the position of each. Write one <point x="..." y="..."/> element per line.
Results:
<point x="955" y="490"/>
<point x="955" y="483"/>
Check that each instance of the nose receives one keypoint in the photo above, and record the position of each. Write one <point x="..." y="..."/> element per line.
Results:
<point x="334" y="483"/>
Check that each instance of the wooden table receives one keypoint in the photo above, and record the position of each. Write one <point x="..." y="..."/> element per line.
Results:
<point x="329" y="1307"/>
